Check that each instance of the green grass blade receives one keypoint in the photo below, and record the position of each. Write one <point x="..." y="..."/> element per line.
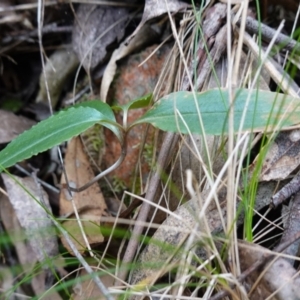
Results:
<point x="264" y="109"/>
<point x="55" y="130"/>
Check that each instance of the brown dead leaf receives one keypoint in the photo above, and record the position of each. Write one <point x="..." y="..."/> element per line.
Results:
<point x="279" y="276"/>
<point x="90" y="203"/>
<point x="97" y="27"/>
<point x="154" y="8"/>
<point x="32" y="213"/>
<point x="12" y="225"/>
<point x="12" y="125"/>
<point x="88" y="290"/>
<point x="59" y="67"/>
<point x="173" y="232"/>
<point x="36" y="243"/>
<point x="283" y="156"/>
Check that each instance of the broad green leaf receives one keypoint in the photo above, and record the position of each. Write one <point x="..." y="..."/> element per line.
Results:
<point x="265" y="109"/>
<point x="102" y="107"/>
<point x="56" y="129"/>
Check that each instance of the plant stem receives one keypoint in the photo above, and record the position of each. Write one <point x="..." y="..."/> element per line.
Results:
<point x="105" y="172"/>
<point x="169" y="142"/>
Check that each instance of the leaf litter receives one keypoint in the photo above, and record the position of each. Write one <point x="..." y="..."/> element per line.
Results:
<point x="92" y="53"/>
<point x="12" y="125"/>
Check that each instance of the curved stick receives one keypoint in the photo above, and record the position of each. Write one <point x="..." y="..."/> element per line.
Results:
<point x="105" y="172"/>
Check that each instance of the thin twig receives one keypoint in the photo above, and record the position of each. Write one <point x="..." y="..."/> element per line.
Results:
<point x="287" y="191"/>
<point x="50" y="28"/>
<point x="267" y="33"/>
<point x="43" y="183"/>
<point x="54" y="2"/>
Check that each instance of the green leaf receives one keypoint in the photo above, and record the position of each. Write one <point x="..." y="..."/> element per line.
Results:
<point x="106" y="113"/>
<point x="134" y="104"/>
<point x="56" y="129"/>
<point x="103" y="108"/>
<point x="265" y="109"/>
